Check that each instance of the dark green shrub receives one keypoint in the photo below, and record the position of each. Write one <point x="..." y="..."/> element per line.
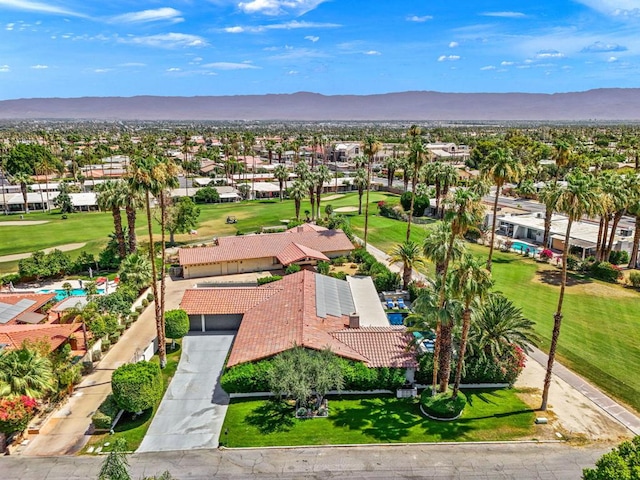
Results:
<point x="144" y="303"/>
<point x="113" y="338"/>
<point x="105" y="345"/>
<point x="605" y="271"/>
<point x="387" y="281"/>
<point x="272" y="278"/>
<point x="106" y="413"/>
<point x="323" y="267"/>
<point x="573" y="262"/>
<point x="338" y="275"/>
<point x="139" y="309"/>
<point x="176" y="324"/>
<point x="619" y="257"/>
<point x="293" y="268"/>
<point x="150" y="297"/>
<point x="634" y="279"/>
<point x="339" y="261"/>
<point x="622" y="463"/>
<point x="441" y="405"/>
<point x="137" y="386"/>
<point x="247" y="377"/>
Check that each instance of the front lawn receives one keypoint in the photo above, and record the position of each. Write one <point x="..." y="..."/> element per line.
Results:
<point x="133" y="429"/>
<point x="490" y="415"/>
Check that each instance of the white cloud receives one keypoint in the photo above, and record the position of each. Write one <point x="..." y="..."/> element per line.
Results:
<point x="173" y="69"/>
<point x="419" y="19"/>
<point x="488" y="67"/>
<point x="154" y="15"/>
<point x="132" y="64"/>
<point x="453" y="44"/>
<point x="612" y="59"/>
<point x="504" y="14"/>
<point x="4" y="68"/>
<point x="616" y="8"/>
<point x="549" y="54"/>
<point x="291" y="53"/>
<point x="293" y="25"/>
<point x="10" y="26"/>
<point x="600" y="47"/>
<point x="451" y="58"/>
<point x="506" y="63"/>
<point x="231" y="66"/>
<point x="279" y="7"/>
<point x="40" y="67"/>
<point x="372" y="52"/>
<point x="312" y="38"/>
<point x="292" y="72"/>
<point x="167" y="40"/>
<point x="101" y="70"/>
<point x="29" y="6"/>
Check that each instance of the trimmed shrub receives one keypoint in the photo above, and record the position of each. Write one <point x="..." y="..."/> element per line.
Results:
<point x="619" y="257"/>
<point x="573" y="262"/>
<point x="634" y="279"/>
<point x="144" y="303"/>
<point x="247" y="377"/>
<point x="104" y="416"/>
<point x="441" y="405"/>
<point x="338" y="275"/>
<point x="605" y="271"/>
<point x="293" y="268"/>
<point x="339" y="261"/>
<point x="137" y="386"/>
<point x="106" y="344"/>
<point x="114" y="337"/>
<point x="150" y="297"/>
<point x="323" y="267"/>
<point x="272" y="278"/>
<point x="176" y="324"/>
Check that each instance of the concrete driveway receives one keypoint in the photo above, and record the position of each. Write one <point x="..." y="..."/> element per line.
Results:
<point x="193" y="408"/>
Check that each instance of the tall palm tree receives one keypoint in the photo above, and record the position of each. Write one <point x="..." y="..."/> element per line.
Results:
<point x="135" y="201"/>
<point x="436" y="243"/>
<point x="25" y="372"/>
<point x="471" y="283"/>
<point x="410" y="254"/>
<point x="297" y="192"/>
<point x="360" y="182"/>
<point x="634" y="209"/>
<point x="548" y="196"/>
<point x="579" y="198"/>
<point x="501" y="167"/>
<point x="45" y="167"/>
<point x="370" y="148"/>
<point x="417" y="155"/>
<point x="24" y="179"/>
<point x="111" y="196"/>
<point x="322" y="176"/>
<point x="281" y="174"/>
<point x="142" y="177"/>
<point x="498" y="325"/>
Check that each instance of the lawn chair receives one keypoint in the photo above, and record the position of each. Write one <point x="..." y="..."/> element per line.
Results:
<point x="390" y="303"/>
<point x="401" y="304"/>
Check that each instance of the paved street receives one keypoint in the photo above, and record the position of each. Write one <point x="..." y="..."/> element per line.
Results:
<point x="460" y="461"/>
<point x="193" y="408"/>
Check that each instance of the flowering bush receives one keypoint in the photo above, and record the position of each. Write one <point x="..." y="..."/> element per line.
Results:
<point x="546" y="254"/>
<point x="16" y="413"/>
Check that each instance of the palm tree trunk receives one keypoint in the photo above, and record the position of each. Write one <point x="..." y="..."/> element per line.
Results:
<point x="557" y="321"/>
<point x="406" y="275"/>
<point x="436" y="358"/>
<point x="633" y="260"/>
<point x="131" y="228"/>
<point x="600" y="239"/>
<point x="413" y="199"/>
<point x="493" y="227"/>
<point x="117" y="225"/>
<point x="162" y="352"/>
<point x="466" y="323"/>
<point x="297" y="206"/>
<point x="366" y="205"/>
<point x="360" y="202"/>
<point x="163" y="268"/>
<point x="23" y="190"/>
<point x="616" y="219"/>
<point x="446" y="331"/>
<point x="547" y="226"/>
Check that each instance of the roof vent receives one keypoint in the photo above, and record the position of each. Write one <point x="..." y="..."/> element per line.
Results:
<point x="354" y="320"/>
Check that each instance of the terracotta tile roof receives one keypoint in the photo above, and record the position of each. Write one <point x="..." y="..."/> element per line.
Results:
<point x="40" y="300"/>
<point x="14" y="335"/>
<point x="381" y="346"/>
<point x="223" y="300"/>
<point x="307" y="227"/>
<point x="264" y="245"/>
<point x="287" y="319"/>
<point x="295" y="252"/>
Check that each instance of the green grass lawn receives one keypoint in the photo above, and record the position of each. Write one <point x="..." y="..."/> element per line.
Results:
<point x="132" y="429"/>
<point x="489" y="415"/>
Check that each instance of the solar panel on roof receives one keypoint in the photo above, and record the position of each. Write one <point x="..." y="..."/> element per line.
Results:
<point x="333" y="297"/>
<point x="8" y="311"/>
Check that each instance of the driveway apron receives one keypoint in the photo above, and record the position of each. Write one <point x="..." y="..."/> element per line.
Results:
<point x="193" y="408"/>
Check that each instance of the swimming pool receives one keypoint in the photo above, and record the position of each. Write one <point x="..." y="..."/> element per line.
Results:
<point x="522" y="247"/>
<point x="396" y="318"/>
<point x="61" y="294"/>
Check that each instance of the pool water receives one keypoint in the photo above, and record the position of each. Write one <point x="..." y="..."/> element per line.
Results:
<point x="522" y="247"/>
<point x="396" y="318"/>
<point x="61" y="294"/>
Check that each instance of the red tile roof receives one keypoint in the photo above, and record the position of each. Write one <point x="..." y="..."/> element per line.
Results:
<point x="382" y="346"/>
<point x="223" y="300"/>
<point x="14" y="335"/>
<point x="40" y="300"/>
<point x="295" y="252"/>
<point x="265" y="245"/>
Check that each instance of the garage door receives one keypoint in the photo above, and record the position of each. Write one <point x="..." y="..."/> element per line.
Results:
<point x="222" y="322"/>
<point x="195" y="323"/>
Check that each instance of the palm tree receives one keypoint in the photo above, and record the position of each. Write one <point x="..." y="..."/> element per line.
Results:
<point x="548" y="196"/>
<point x="391" y="163"/>
<point x="25" y="372"/>
<point x="634" y="209"/>
<point x="45" y="167"/>
<point x="471" y="283"/>
<point x="142" y="178"/>
<point x="436" y="243"/>
<point x="370" y="147"/>
<point x="112" y="196"/>
<point x="501" y="167"/>
<point x="498" y="325"/>
<point x="410" y="254"/>
<point x="282" y="174"/>
<point x="297" y="192"/>
<point x="417" y="153"/>
<point x="579" y="198"/>
<point x="360" y="182"/>
<point x="135" y="270"/>
<point x="23" y="179"/>
<point x="322" y="176"/>
<point x="135" y="201"/>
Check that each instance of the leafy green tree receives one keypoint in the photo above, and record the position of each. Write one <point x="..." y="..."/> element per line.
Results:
<point x="622" y="463"/>
<point x="63" y="202"/>
<point x="176" y="325"/>
<point x="116" y="465"/>
<point x="207" y="195"/>
<point x="137" y="386"/>
<point x="112" y="196"/>
<point x="24" y="157"/>
<point x="25" y="372"/>
<point x="182" y="217"/>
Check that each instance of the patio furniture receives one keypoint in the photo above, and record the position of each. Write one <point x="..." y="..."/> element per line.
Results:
<point x="390" y="303"/>
<point x="401" y="303"/>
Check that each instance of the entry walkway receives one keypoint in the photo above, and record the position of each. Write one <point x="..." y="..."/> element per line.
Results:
<point x="193" y="408"/>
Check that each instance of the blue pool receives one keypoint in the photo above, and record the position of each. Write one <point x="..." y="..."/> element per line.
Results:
<point x="396" y="318"/>
<point x="62" y="294"/>
<point x="522" y="247"/>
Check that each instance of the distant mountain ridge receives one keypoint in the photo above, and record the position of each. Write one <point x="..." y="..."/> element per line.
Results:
<point x="608" y="104"/>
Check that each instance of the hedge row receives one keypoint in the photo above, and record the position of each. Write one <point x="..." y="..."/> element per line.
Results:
<point x="137" y="386"/>
<point x="253" y="377"/>
<point x="106" y="413"/>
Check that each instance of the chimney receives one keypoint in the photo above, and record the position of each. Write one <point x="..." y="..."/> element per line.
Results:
<point x="300" y="228"/>
<point x="354" y="320"/>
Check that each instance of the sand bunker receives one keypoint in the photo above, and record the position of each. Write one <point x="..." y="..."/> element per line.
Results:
<point x="22" y="223"/>
<point x="346" y="209"/>
<point x="63" y="248"/>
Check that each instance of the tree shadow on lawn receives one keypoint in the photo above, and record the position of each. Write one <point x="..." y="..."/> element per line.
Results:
<point x="554" y="277"/>
<point x="129" y="421"/>
<point x="490" y="397"/>
<point x="272" y="416"/>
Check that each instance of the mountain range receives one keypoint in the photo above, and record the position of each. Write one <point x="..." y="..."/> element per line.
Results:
<point x="606" y="104"/>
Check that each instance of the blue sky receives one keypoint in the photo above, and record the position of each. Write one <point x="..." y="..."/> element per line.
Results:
<point x="73" y="48"/>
